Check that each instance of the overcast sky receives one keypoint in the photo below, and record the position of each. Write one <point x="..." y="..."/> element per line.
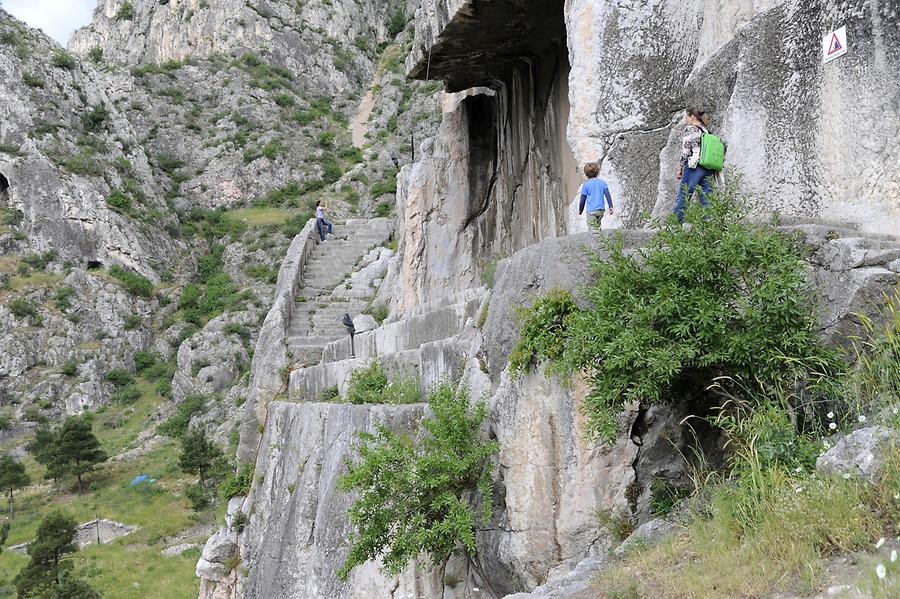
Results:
<point x="57" y="18"/>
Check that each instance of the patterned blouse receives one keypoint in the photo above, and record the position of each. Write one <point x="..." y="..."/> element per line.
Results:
<point x="690" y="145"/>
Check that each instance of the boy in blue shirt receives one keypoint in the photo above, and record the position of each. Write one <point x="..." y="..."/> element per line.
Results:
<point x="594" y="195"/>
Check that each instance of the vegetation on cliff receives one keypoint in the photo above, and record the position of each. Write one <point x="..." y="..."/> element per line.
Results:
<point x="418" y="496"/>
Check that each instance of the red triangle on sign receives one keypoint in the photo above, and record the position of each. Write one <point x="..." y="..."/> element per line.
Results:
<point x="835" y="44"/>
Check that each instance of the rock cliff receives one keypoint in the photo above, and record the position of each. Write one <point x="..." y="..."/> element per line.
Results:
<point x="534" y="90"/>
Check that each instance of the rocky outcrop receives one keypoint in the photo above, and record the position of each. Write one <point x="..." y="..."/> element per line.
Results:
<point x="634" y="66"/>
<point x="298" y="37"/>
<point x="65" y="149"/>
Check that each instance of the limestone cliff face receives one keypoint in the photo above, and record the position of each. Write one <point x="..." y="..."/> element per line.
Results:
<point x="56" y="179"/>
<point x="298" y="36"/>
<point x="811" y="139"/>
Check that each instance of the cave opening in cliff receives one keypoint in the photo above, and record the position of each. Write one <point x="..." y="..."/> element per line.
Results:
<point x="4" y="188"/>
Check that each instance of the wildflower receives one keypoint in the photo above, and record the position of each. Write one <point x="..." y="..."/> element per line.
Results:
<point x="846" y="475"/>
<point x="475" y="589"/>
<point x="862" y="418"/>
<point x="798" y="490"/>
<point x="897" y="496"/>
<point x="879" y="543"/>
<point x="832" y="426"/>
<point x="893" y="555"/>
<point x="830" y="415"/>
<point x="799" y="469"/>
<point x="881" y="571"/>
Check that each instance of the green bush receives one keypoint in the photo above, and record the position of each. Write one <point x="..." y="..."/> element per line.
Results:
<point x="119" y="202"/>
<point x="238" y="483"/>
<point x="415" y="497"/>
<point x="396" y="23"/>
<point x="39" y="261"/>
<point x="371" y="385"/>
<point x="126" y="395"/>
<point x="198" y="496"/>
<point x="132" y="322"/>
<point x="119" y="377"/>
<point x="23" y="308"/>
<point x="379" y="311"/>
<point x="96" y="54"/>
<point x="33" y="80"/>
<point x="63" y="60"/>
<point x="133" y="283"/>
<point x="94" y="119"/>
<point x="543" y="327"/>
<point x="721" y="298"/>
<point x="385" y="186"/>
<point x="331" y="394"/>
<point x="384" y="209"/>
<point x="63" y="297"/>
<point x="145" y="361"/>
<point x="125" y="12"/>
<point x="70" y="368"/>
<point x="326" y="139"/>
<point x="367" y="384"/>
<point x="283" y="99"/>
<point x="177" y="424"/>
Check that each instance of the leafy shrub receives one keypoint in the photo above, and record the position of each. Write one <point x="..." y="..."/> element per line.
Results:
<point x="145" y="360"/>
<point x="326" y="139"/>
<point x="723" y="297"/>
<point x="125" y="12"/>
<point x="543" y="328"/>
<point x="93" y="119"/>
<point x="415" y="497"/>
<point x="261" y="272"/>
<point x="23" y="308"/>
<point x="239" y="521"/>
<point x="384" y="186"/>
<point x="63" y="297"/>
<point x="70" y="368"/>
<point x="283" y="99"/>
<point x="198" y="496"/>
<point x="177" y="424"/>
<point x="119" y="202"/>
<point x="133" y="283"/>
<point x="874" y="382"/>
<point x="379" y="311"/>
<point x="39" y="261"/>
<point x="367" y="384"/>
<point x="133" y="321"/>
<point x="331" y="394"/>
<point x="384" y="209"/>
<point x="119" y="377"/>
<point x="238" y="483"/>
<point x="63" y="60"/>
<point x="96" y="54"/>
<point x="33" y="80"/>
<point x="396" y="23"/>
<point x="126" y="395"/>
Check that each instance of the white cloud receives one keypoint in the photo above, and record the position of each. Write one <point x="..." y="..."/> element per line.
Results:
<point x="57" y="18"/>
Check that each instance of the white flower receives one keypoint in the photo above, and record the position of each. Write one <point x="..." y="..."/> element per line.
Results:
<point x="799" y="469"/>
<point x="897" y="496"/>
<point x="832" y="426"/>
<point x="798" y="490"/>
<point x="881" y="571"/>
<point x="862" y="418"/>
<point x="846" y="475"/>
<point x="830" y="415"/>
<point x="475" y="589"/>
<point x="894" y="555"/>
<point x="879" y="544"/>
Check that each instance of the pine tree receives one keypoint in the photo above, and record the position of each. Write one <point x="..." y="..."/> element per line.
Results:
<point x="12" y="477"/>
<point x="55" y="539"/>
<point x="45" y="448"/>
<point x="198" y="454"/>
<point x="72" y="587"/>
<point x="78" y="450"/>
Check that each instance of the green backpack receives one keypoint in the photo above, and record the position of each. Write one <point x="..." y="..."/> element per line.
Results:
<point x="712" y="152"/>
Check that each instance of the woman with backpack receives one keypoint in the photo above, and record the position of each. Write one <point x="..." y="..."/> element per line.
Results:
<point x="698" y="165"/>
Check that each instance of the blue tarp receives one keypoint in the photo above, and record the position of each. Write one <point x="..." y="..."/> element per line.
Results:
<point x="140" y="478"/>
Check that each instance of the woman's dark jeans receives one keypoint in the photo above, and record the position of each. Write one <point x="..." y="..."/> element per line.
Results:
<point x="689" y="181"/>
<point x="321" y="223"/>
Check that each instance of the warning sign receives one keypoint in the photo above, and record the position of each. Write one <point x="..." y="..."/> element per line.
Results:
<point x="834" y="45"/>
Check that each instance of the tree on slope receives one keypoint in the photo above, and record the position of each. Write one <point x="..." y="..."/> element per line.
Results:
<point x="70" y="449"/>
<point x="54" y="541"/>
<point x="12" y="477"/>
<point x="198" y="454"/>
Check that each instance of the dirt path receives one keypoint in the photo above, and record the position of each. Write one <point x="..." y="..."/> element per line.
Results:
<point x="359" y="126"/>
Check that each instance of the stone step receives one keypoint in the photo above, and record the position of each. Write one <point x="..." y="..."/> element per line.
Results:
<point x="440" y="322"/>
